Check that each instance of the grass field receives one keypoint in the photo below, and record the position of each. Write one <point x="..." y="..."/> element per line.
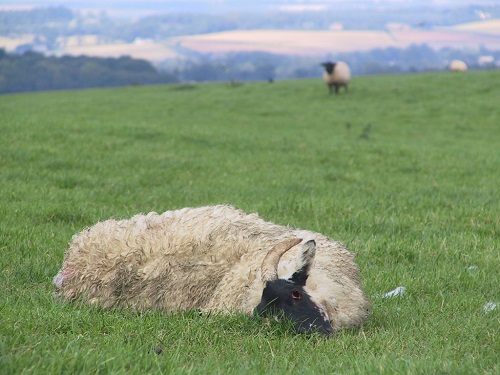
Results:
<point x="403" y="169"/>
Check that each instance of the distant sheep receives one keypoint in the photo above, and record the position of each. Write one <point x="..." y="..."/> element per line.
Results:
<point x="458" y="66"/>
<point x="336" y="75"/>
<point x="219" y="259"/>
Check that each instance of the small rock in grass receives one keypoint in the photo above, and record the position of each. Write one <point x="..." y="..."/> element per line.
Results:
<point x="489" y="306"/>
<point x="398" y="292"/>
<point x="158" y="350"/>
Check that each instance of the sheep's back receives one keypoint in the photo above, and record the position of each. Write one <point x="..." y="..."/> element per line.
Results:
<point x="458" y="66"/>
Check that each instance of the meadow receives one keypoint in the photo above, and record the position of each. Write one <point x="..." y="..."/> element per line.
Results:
<point x="403" y="169"/>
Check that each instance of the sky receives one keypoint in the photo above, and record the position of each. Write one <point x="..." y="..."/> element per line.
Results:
<point x="136" y="9"/>
<point x="234" y="4"/>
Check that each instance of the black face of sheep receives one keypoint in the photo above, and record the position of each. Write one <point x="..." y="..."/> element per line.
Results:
<point x="329" y="66"/>
<point x="287" y="298"/>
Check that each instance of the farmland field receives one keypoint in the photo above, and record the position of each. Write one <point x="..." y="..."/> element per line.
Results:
<point x="288" y="42"/>
<point x="319" y="43"/>
<point x="403" y="169"/>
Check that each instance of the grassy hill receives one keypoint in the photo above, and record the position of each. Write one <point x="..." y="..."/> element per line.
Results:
<point x="402" y="169"/>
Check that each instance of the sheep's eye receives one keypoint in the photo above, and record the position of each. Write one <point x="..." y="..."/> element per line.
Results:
<point x="296" y="294"/>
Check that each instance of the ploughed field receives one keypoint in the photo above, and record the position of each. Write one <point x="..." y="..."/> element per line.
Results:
<point x="402" y="169"/>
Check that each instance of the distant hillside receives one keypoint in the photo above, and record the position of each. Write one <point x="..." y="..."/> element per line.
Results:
<point x="327" y="27"/>
<point x="470" y="36"/>
<point x="320" y="43"/>
<point x="246" y="46"/>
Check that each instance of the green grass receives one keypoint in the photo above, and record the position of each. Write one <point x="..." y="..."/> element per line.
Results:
<point x="403" y="169"/>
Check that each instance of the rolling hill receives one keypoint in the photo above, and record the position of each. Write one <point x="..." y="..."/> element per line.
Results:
<point x="289" y="42"/>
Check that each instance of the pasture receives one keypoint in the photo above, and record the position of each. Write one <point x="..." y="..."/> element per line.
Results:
<point x="403" y="169"/>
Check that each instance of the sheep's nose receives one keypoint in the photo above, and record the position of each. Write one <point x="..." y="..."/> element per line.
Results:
<point x="327" y="330"/>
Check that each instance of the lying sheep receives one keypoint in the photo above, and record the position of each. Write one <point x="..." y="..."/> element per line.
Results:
<point x="218" y="259"/>
<point x="336" y="75"/>
<point x="458" y="66"/>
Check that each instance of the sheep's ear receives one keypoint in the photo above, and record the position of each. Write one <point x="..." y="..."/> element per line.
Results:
<point x="305" y="259"/>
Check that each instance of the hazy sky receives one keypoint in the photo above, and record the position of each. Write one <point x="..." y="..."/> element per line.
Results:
<point x="232" y="3"/>
<point x="135" y="8"/>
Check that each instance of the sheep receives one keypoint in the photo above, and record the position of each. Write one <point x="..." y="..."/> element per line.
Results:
<point x="458" y="66"/>
<point x="216" y="259"/>
<point x="336" y="75"/>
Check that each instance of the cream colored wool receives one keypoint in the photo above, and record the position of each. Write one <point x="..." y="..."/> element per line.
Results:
<point x="458" y="66"/>
<point x="341" y="75"/>
<point x="205" y="258"/>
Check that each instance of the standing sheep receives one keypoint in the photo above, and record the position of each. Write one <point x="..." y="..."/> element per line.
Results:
<point x="215" y="258"/>
<point x="336" y="75"/>
<point x="458" y="66"/>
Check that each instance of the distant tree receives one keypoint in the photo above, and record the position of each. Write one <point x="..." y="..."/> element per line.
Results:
<point x="33" y="72"/>
<point x="265" y="71"/>
<point x="304" y="73"/>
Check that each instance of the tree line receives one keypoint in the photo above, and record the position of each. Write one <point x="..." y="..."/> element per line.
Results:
<point x="33" y="71"/>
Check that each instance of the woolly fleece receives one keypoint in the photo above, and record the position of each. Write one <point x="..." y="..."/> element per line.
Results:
<point x="206" y="258"/>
